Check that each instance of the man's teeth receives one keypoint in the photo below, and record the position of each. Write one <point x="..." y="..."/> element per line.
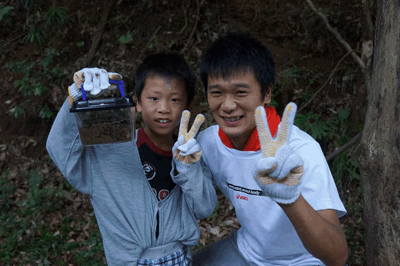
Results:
<point x="163" y="120"/>
<point x="232" y="119"/>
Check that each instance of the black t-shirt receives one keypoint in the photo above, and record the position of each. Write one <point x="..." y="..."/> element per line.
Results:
<point x="156" y="165"/>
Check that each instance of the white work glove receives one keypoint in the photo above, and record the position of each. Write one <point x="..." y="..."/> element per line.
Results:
<point x="186" y="150"/>
<point x="280" y="170"/>
<point x="94" y="80"/>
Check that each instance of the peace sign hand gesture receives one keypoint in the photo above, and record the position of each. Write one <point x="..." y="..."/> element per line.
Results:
<point x="280" y="170"/>
<point x="186" y="150"/>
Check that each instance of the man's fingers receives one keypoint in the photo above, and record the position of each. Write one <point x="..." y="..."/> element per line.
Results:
<point x="285" y="127"/>
<point x="264" y="134"/>
<point x="184" y="123"/>
<point x="198" y="121"/>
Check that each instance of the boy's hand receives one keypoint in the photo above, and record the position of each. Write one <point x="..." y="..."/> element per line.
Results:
<point x="186" y="150"/>
<point x="279" y="172"/>
<point x="94" y="80"/>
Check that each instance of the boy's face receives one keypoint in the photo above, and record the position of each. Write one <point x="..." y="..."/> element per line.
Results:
<point x="161" y="104"/>
<point x="233" y="102"/>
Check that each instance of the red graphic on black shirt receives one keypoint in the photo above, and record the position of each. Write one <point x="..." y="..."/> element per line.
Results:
<point x="149" y="170"/>
<point x="154" y="191"/>
<point x="163" y="194"/>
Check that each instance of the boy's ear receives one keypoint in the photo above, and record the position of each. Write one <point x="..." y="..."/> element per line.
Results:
<point x="268" y="96"/>
<point x="138" y="106"/>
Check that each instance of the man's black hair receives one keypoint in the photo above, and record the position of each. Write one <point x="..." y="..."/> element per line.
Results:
<point x="165" y="65"/>
<point x="238" y="52"/>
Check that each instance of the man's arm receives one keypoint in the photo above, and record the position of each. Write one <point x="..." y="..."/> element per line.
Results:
<point x="279" y="175"/>
<point x="319" y="231"/>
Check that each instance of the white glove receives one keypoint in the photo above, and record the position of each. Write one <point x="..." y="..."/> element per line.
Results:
<point x="280" y="170"/>
<point x="94" y="80"/>
<point x="186" y="150"/>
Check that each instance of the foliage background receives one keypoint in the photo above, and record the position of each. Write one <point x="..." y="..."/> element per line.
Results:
<point x="43" y="220"/>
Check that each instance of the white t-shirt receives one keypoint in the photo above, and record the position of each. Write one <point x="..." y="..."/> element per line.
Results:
<point x="266" y="236"/>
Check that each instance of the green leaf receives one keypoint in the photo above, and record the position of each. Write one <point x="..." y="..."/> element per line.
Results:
<point x="46" y="113"/>
<point x="4" y="10"/>
<point x="126" y="39"/>
<point x="57" y="16"/>
<point x="80" y="44"/>
<point x="17" y="111"/>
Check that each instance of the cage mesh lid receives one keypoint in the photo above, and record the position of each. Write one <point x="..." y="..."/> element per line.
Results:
<point x="102" y="104"/>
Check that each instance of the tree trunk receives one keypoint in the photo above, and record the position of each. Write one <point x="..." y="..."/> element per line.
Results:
<point x="380" y="144"/>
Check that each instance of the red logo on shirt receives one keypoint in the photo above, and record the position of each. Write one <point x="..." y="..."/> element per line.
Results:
<point x="162" y="194"/>
<point x="149" y="170"/>
<point x="238" y="196"/>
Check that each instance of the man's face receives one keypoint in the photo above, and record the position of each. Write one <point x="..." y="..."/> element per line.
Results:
<point x="162" y="102"/>
<point x="233" y="102"/>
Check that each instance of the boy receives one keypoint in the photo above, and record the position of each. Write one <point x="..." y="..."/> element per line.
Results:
<point x="145" y="215"/>
<point x="283" y="192"/>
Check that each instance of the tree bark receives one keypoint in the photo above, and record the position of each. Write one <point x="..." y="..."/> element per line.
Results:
<point x="380" y="145"/>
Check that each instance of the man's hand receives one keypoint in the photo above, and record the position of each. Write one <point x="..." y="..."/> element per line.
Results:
<point x="280" y="170"/>
<point x="94" y="80"/>
<point x="186" y="150"/>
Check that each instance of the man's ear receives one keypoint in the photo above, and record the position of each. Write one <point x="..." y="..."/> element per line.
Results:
<point x="268" y="95"/>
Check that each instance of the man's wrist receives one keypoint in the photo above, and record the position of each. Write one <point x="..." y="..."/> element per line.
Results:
<point x="291" y="206"/>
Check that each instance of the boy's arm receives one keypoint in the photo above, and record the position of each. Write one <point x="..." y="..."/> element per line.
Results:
<point x="65" y="148"/>
<point x="194" y="177"/>
<point x="279" y="175"/>
<point x="197" y="188"/>
<point x="319" y="231"/>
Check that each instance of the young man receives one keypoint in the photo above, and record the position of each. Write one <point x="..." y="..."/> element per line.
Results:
<point x="146" y="210"/>
<point x="283" y="192"/>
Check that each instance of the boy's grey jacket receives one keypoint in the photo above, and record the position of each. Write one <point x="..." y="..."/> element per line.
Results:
<point x="123" y="201"/>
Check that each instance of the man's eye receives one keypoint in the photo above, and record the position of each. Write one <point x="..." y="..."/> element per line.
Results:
<point x="241" y="92"/>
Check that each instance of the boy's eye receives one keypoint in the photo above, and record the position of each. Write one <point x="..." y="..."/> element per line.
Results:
<point x="154" y="98"/>
<point x="241" y="92"/>
<point x="215" y="93"/>
<point x="175" y="100"/>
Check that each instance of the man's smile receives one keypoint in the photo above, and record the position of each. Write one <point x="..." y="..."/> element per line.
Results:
<point x="232" y="118"/>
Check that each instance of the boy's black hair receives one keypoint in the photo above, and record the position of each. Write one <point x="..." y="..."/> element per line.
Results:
<point x="165" y="65"/>
<point x="236" y="52"/>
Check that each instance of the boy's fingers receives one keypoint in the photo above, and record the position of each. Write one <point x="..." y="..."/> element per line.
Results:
<point x="286" y="124"/>
<point x="96" y="77"/>
<point x="88" y="83"/>
<point x="184" y="123"/>
<point x="114" y="76"/>
<point x="104" y="84"/>
<point x="79" y="79"/>
<point x="264" y="134"/>
<point x="195" y="127"/>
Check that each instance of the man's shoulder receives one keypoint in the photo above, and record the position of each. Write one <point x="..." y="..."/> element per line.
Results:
<point x="300" y="137"/>
<point x="306" y="147"/>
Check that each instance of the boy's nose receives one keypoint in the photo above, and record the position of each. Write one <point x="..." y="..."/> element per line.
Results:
<point x="228" y="105"/>
<point x="163" y="107"/>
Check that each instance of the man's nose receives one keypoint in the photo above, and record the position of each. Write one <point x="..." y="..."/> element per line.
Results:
<point x="228" y="105"/>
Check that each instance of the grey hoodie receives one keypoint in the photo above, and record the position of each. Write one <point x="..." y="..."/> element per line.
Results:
<point x="123" y="201"/>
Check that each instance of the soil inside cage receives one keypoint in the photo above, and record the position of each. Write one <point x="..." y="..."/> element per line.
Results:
<point x="102" y="133"/>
